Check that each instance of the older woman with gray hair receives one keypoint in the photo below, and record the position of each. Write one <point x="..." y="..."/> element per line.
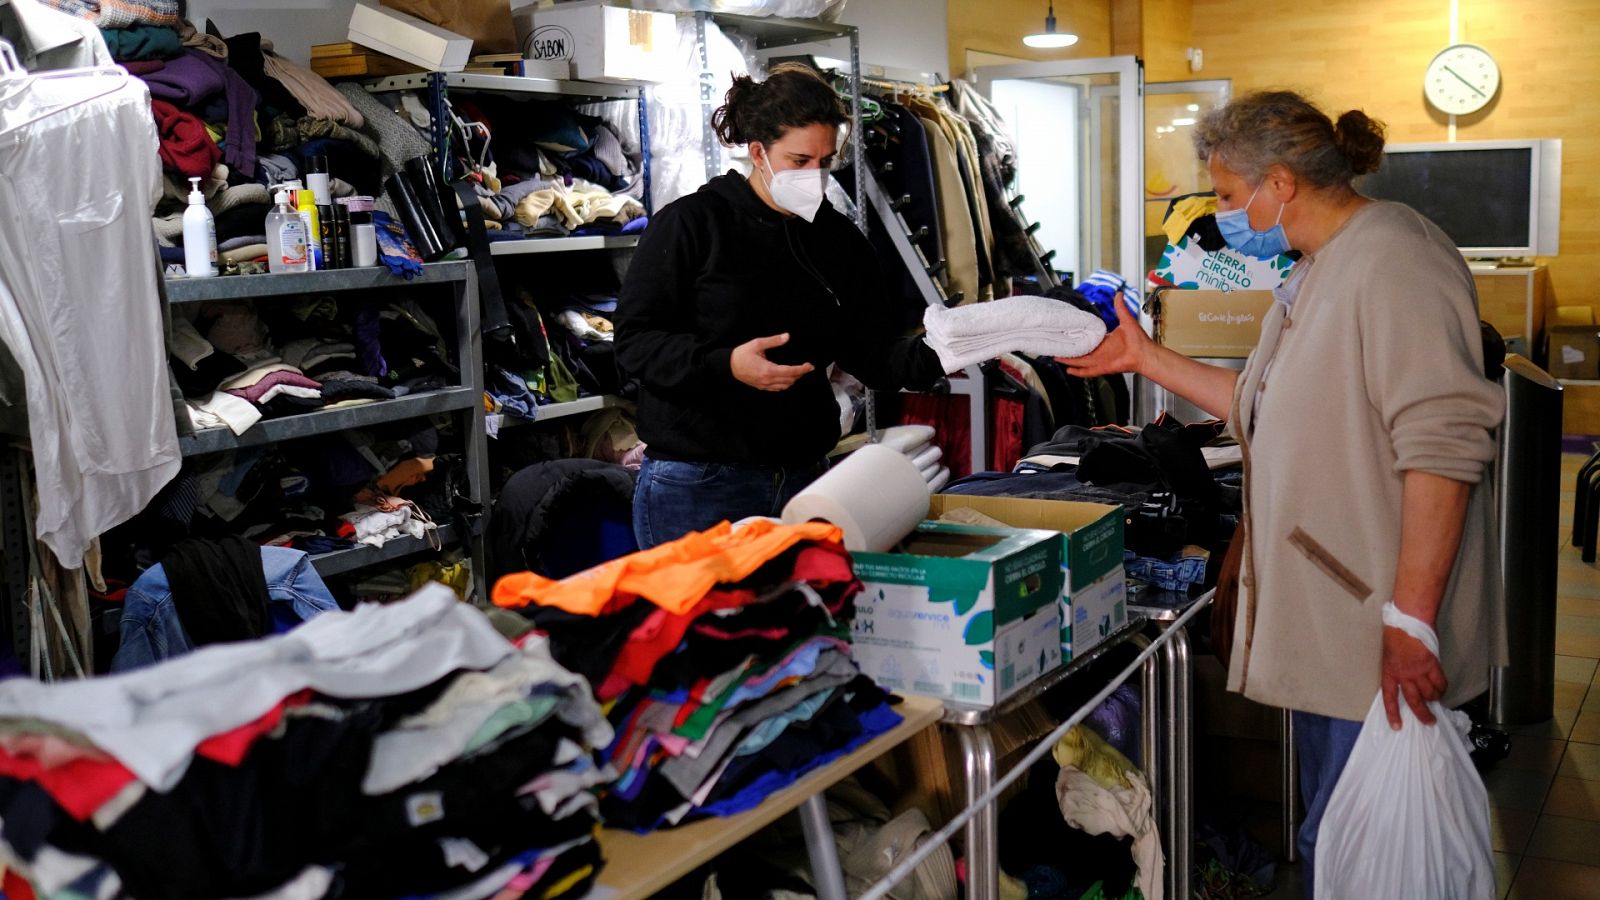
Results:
<point x="1367" y="425"/>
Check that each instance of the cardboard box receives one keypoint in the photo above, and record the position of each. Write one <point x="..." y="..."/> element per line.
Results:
<point x="1093" y="613"/>
<point x="409" y="38"/>
<point x="1580" y="407"/>
<point x="964" y="614"/>
<point x="1575" y="352"/>
<point x="1092" y="540"/>
<point x="603" y="43"/>
<point x="1572" y="315"/>
<point x="1209" y="324"/>
<point x="350" y="60"/>
<point x="1185" y="265"/>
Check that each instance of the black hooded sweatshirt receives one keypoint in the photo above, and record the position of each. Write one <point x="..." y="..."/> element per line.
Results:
<point x="718" y="268"/>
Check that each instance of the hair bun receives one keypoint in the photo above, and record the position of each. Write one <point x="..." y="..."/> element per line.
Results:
<point x="1360" y="139"/>
<point x="725" y="120"/>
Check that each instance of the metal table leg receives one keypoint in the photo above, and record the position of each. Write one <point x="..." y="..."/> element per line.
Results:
<point x="826" y="873"/>
<point x="1178" y="760"/>
<point x="1150" y="726"/>
<point x="1152" y="737"/>
<point x="983" y="831"/>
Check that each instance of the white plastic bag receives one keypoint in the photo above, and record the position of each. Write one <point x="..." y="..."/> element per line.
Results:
<point x="1409" y="816"/>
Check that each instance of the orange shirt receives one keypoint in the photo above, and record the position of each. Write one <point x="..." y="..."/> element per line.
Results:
<point x="673" y="576"/>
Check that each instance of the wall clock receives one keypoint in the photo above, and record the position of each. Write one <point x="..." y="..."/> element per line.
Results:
<point x="1462" y="79"/>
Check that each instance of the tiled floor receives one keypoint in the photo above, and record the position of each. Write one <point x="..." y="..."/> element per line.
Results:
<point x="1545" y="798"/>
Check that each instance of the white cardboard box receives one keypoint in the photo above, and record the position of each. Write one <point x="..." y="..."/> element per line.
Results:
<point x="603" y="43"/>
<point x="409" y="38"/>
<point x="963" y="614"/>
<point x="1092" y="614"/>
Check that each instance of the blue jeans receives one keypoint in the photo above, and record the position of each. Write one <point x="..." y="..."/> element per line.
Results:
<point x="1324" y="746"/>
<point x="676" y="498"/>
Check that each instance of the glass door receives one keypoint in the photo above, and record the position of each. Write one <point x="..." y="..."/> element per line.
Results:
<point x="1079" y="129"/>
<point x="1171" y="168"/>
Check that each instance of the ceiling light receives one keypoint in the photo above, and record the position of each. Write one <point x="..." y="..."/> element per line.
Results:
<point x="1185" y="120"/>
<point x="1050" y="38"/>
<point x="1193" y="107"/>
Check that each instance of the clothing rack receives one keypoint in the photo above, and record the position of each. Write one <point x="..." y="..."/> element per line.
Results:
<point x="916" y="87"/>
<point x="972" y="384"/>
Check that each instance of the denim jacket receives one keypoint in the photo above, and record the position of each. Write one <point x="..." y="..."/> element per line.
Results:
<point x="150" y="628"/>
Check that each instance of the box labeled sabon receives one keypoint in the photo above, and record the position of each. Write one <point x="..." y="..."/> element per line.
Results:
<point x="600" y="41"/>
<point x="1209" y="324"/>
<point x="961" y="613"/>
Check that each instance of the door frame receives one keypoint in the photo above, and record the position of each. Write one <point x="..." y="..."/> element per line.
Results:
<point x="1130" y="147"/>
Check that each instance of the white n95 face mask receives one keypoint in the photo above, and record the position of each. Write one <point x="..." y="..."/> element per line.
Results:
<point x="798" y="190"/>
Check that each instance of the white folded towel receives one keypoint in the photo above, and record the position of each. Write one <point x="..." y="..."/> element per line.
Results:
<point x="1042" y="326"/>
<point x="927" y="458"/>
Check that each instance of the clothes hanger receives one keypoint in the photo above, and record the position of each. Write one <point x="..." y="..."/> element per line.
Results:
<point x="14" y="78"/>
<point x="467" y="130"/>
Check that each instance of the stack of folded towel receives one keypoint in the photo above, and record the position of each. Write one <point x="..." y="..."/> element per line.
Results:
<point x="1042" y="326"/>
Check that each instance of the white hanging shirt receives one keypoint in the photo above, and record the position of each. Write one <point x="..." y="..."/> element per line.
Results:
<point x="79" y="307"/>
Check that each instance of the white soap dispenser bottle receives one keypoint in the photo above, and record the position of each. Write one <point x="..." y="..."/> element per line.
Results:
<point x="286" y="238"/>
<point x="199" y="235"/>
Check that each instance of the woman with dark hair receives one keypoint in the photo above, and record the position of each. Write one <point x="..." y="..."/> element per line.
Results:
<point x="739" y="297"/>
<point x="1367" y="424"/>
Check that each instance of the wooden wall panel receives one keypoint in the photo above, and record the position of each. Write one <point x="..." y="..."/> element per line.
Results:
<point x="997" y="26"/>
<point x="1371" y="54"/>
<point x="1167" y="32"/>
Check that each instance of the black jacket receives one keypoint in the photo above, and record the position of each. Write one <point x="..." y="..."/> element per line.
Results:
<point x="718" y="268"/>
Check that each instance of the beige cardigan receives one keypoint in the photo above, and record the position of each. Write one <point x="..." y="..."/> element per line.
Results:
<point x="1376" y="371"/>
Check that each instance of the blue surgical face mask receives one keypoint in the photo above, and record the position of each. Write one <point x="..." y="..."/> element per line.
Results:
<point x="1235" y="227"/>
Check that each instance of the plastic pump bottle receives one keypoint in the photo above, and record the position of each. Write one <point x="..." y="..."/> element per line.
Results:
<point x="306" y="202"/>
<point x="286" y="238"/>
<point x="199" y="235"/>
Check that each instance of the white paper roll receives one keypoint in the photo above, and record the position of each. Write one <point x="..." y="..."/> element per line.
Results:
<point x="876" y="495"/>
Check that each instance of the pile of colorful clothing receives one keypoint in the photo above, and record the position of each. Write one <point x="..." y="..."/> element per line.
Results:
<point x="400" y="750"/>
<point x="723" y="660"/>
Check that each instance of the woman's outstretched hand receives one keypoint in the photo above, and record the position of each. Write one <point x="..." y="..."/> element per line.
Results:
<point x="1127" y="349"/>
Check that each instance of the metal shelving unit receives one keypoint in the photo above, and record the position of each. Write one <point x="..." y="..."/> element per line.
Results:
<point x="437" y="84"/>
<point x="563" y="245"/>
<point x="327" y="421"/>
<point x="340" y="562"/>
<point x="508" y="84"/>
<point x="249" y="287"/>
<point x="580" y="407"/>
<point x="464" y="400"/>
